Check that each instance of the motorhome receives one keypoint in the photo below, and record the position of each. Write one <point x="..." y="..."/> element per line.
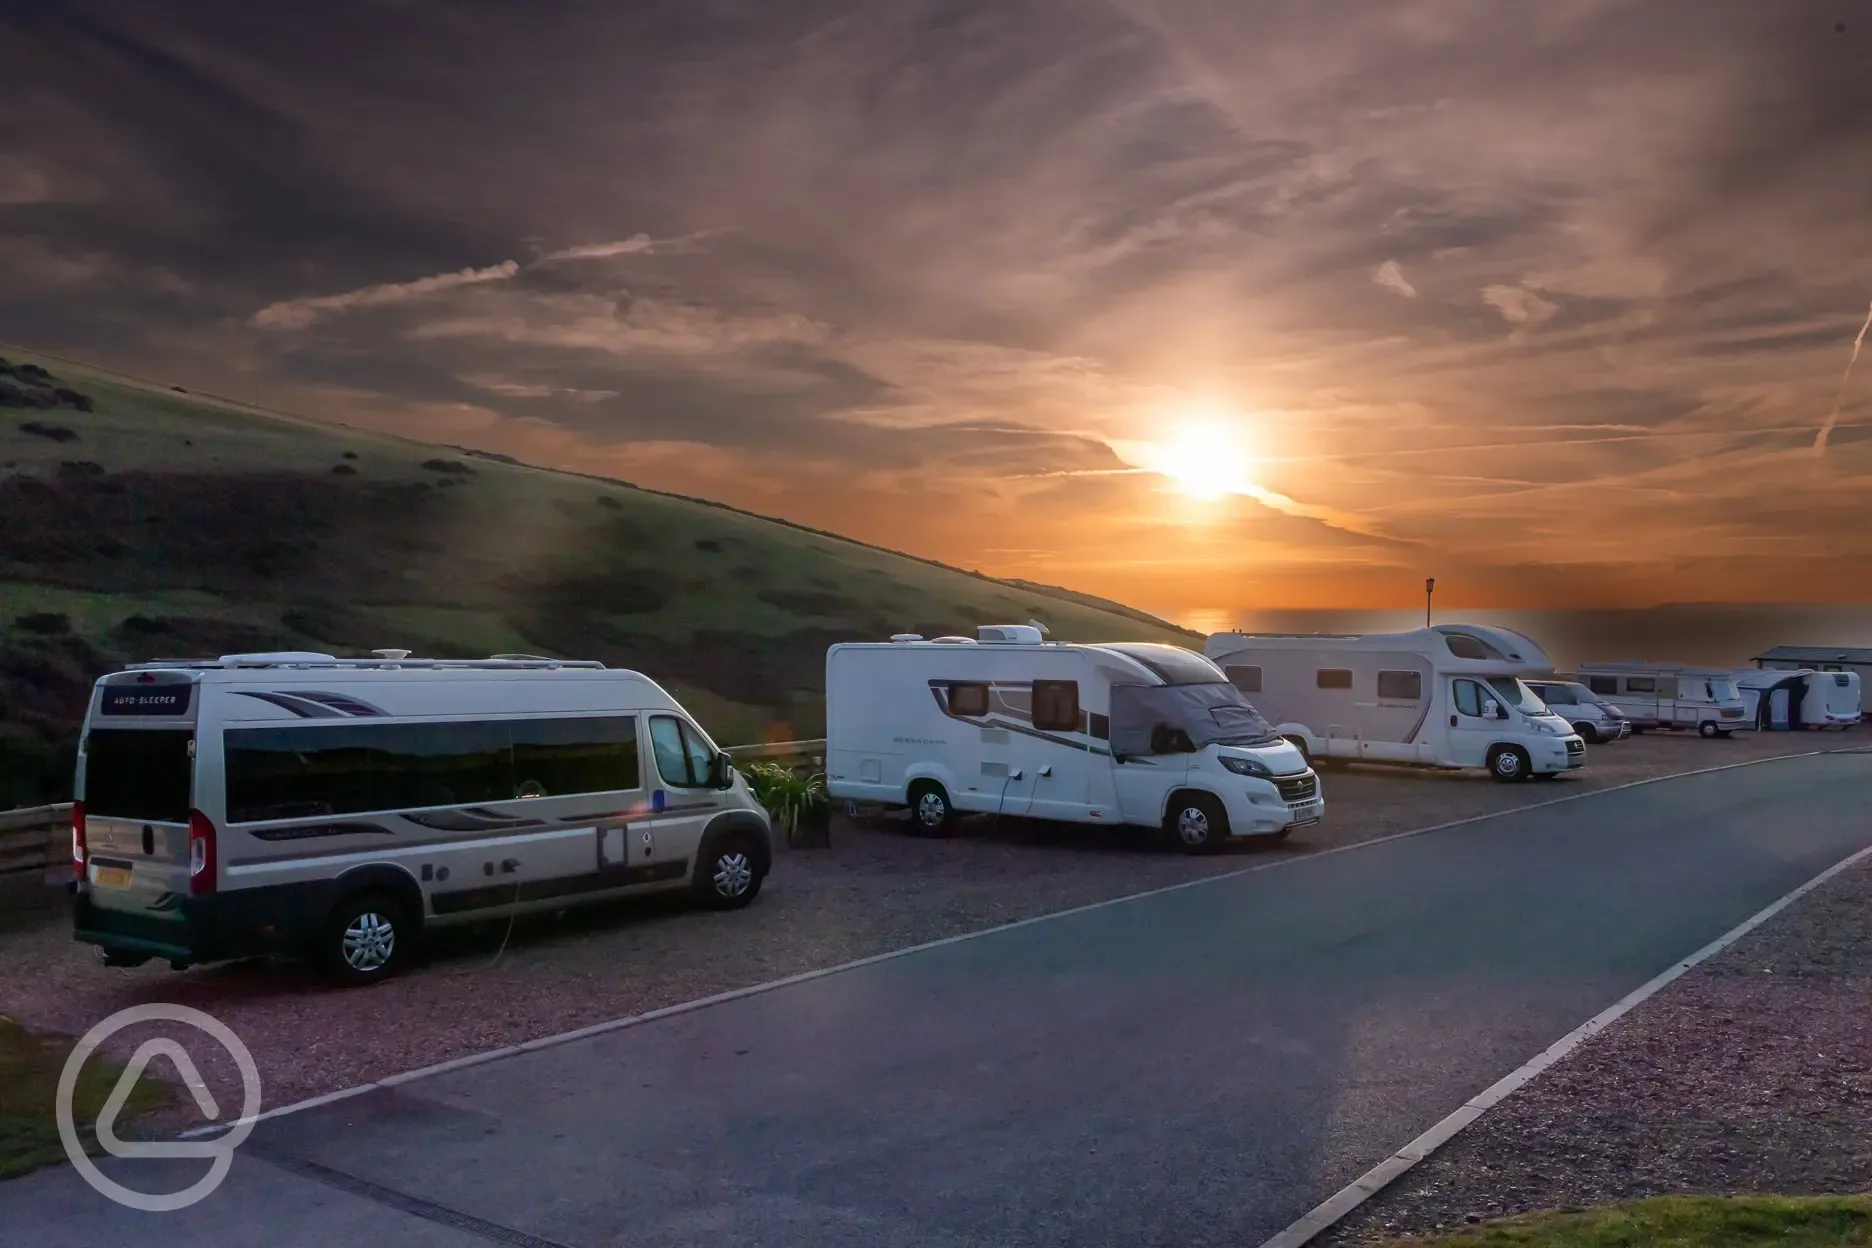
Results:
<point x="1449" y="696"/>
<point x="297" y="803"/>
<point x="1792" y="700"/>
<point x="1006" y="723"/>
<point x="1670" y="696"/>
<point x="1595" y="719"/>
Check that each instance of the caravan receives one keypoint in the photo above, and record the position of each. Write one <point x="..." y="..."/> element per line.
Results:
<point x="1005" y="723"/>
<point x="1448" y="696"/>
<point x="303" y="804"/>
<point x="1799" y="699"/>
<point x="1670" y="695"/>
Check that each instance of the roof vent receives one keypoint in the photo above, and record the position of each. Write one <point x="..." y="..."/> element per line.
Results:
<point x="905" y="638"/>
<point x="1009" y="634"/>
<point x="955" y="641"/>
<point x="391" y="655"/>
<point x="276" y="656"/>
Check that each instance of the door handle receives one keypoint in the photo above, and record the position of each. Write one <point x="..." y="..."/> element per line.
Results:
<point x="1452" y="721"/>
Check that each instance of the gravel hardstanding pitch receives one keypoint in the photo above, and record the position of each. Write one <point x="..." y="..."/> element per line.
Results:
<point x="874" y="891"/>
<point x="1752" y="1073"/>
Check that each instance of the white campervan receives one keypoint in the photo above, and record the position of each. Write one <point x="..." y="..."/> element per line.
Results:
<point x="1448" y="696"/>
<point x="1670" y="695"/>
<point x="303" y="804"/>
<point x="1006" y="723"/>
<point x="1804" y="698"/>
<point x="1594" y="718"/>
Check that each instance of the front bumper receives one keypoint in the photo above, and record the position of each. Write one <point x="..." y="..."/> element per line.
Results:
<point x="1270" y="807"/>
<point x="1559" y="754"/>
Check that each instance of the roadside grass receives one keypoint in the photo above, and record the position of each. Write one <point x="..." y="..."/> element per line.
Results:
<point x="29" y="1076"/>
<point x="1677" y="1222"/>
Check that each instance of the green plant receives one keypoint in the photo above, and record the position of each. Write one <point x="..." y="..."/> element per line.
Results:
<point x="790" y="798"/>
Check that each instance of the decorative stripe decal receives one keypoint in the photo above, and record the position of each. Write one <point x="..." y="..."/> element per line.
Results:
<point x="304" y="708"/>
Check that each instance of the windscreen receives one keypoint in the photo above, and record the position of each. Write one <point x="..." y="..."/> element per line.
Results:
<point x="1722" y="689"/>
<point x="143" y="774"/>
<point x="1209" y="713"/>
<point x="1172" y="664"/>
<point x="1517" y="695"/>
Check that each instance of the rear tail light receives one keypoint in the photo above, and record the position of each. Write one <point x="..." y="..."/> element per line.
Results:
<point x="201" y="853"/>
<point x="78" y="842"/>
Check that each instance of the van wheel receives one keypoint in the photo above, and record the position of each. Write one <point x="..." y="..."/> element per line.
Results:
<point x="1708" y="729"/>
<point x="930" y="811"/>
<point x="1509" y="763"/>
<point x="367" y="939"/>
<point x="729" y="875"/>
<point x="1198" y="823"/>
<point x="1589" y="733"/>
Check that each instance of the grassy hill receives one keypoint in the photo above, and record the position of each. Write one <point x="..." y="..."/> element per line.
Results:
<point x="138" y="521"/>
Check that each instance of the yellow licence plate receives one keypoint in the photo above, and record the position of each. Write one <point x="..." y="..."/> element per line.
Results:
<point x="112" y="877"/>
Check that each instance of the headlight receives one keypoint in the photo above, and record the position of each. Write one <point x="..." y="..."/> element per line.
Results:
<point x="1247" y="767"/>
<point x="1551" y="728"/>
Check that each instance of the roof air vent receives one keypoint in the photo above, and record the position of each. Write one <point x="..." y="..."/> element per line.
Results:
<point x="905" y="638"/>
<point x="1009" y="634"/>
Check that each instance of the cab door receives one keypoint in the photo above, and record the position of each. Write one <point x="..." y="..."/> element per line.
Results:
<point x="682" y="801"/>
<point x="1471" y="728"/>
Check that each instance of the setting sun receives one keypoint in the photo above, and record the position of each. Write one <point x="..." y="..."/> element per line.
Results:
<point x="1205" y="460"/>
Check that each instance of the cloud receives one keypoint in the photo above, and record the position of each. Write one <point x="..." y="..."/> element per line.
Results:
<point x="1518" y="306"/>
<point x="1391" y="277"/>
<point x="300" y="313"/>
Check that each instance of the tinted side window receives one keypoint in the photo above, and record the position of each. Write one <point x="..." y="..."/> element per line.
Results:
<point x="1640" y="684"/>
<point x="1602" y="685"/>
<point x="1333" y="678"/>
<point x="1246" y="679"/>
<point x="1403" y="686"/>
<point x="1468" y="698"/>
<point x="682" y="754"/>
<point x="1056" y="705"/>
<point x="554" y="757"/>
<point x="968" y="699"/>
<point x="1694" y="690"/>
<point x="1464" y="646"/>
<point x="139" y="774"/>
<point x="286" y="773"/>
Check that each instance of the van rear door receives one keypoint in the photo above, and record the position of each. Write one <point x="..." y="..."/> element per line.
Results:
<point x="137" y="786"/>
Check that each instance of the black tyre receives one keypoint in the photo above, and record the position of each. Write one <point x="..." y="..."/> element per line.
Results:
<point x="1197" y="823"/>
<point x="1509" y="764"/>
<point x="1708" y="729"/>
<point x="1589" y="733"/>
<point x="730" y="873"/>
<point x="369" y="937"/>
<point x="931" y="813"/>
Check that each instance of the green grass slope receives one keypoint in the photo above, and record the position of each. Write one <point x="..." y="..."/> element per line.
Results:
<point x="140" y="522"/>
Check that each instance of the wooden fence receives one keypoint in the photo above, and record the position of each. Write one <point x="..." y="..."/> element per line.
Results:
<point x="38" y="838"/>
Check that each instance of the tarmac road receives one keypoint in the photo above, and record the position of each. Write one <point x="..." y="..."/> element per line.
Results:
<point x="1195" y="1067"/>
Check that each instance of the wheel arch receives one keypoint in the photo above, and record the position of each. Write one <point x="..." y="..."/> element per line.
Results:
<point x="379" y="877"/>
<point x="733" y="822"/>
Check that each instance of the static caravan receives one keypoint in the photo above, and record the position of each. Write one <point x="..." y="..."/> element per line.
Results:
<point x="1449" y="696"/>
<point x="1006" y="723"/>
<point x="303" y="804"/>
<point x="1670" y="695"/>
<point x="1792" y="700"/>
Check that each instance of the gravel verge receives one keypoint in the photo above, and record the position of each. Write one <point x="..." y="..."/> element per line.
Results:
<point x="1751" y="1074"/>
<point x="874" y="891"/>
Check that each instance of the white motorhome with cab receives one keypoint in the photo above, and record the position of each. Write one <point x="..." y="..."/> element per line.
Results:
<point x="1449" y="696"/>
<point x="298" y="803"/>
<point x="1005" y="723"/>
<point x="1670" y="695"/>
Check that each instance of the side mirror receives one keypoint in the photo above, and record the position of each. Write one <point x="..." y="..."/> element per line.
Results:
<point x="722" y="770"/>
<point x="1492" y="710"/>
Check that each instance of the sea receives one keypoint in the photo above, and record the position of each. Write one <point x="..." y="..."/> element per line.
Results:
<point x="1699" y="634"/>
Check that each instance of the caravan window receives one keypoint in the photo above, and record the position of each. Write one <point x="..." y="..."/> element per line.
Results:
<point x="1333" y="678"/>
<point x="1841" y="680"/>
<point x="1603" y="685"/>
<point x="1640" y="684"/>
<point x="348" y="769"/>
<point x="683" y="755"/>
<point x="139" y="773"/>
<point x="1056" y="705"/>
<point x="1246" y="679"/>
<point x="554" y="757"/>
<point x="968" y="699"/>
<point x="1401" y="686"/>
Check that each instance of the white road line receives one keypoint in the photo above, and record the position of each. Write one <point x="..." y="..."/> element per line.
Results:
<point x="634" y="1020"/>
<point x="1373" y="1181"/>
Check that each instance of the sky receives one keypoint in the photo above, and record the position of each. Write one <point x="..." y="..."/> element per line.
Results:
<point x="1205" y="305"/>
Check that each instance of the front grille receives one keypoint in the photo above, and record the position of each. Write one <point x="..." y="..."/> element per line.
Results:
<point x="1732" y="712"/>
<point x="1299" y="788"/>
<point x="1575" y="746"/>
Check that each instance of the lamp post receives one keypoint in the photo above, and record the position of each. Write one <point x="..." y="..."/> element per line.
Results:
<point x="1429" y="588"/>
